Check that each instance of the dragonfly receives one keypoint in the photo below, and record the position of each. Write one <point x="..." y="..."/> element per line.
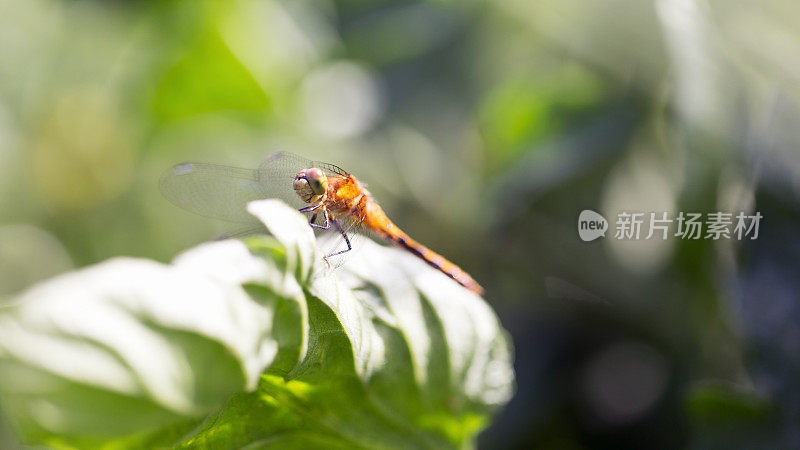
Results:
<point x="333" y="199"/>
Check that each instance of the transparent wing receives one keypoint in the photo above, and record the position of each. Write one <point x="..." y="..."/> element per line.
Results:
<point x="222" y="192"/>
<point x="211" y="190"/>
<point x="284" y="164"/>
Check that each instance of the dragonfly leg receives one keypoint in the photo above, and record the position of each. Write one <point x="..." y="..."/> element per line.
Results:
<point x="327" y="221"/>
<point x="311" y="208"/>
<point x="344" y="235"/>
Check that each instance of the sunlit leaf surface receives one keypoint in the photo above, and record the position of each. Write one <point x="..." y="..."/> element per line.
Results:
<point x="254" y="342"/>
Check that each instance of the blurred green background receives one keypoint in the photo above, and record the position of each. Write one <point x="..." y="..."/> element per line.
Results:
<point x="483" y="128"/>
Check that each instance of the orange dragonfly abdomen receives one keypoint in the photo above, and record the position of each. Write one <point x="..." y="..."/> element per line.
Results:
<point x="377" y="221"/>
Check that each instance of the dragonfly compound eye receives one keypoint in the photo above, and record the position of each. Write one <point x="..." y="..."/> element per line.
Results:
<point x="310" y="184"/>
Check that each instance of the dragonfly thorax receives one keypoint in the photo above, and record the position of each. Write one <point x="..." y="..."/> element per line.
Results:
<point x="310" y="185"/>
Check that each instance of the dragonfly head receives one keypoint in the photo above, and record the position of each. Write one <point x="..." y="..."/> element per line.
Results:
<point x="310" y="184"/>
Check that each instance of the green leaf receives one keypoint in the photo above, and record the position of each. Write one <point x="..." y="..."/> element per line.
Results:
<point x="256" y="343"/>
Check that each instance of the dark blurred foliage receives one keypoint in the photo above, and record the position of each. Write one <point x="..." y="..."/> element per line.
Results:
<point x="484" y="128"/>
